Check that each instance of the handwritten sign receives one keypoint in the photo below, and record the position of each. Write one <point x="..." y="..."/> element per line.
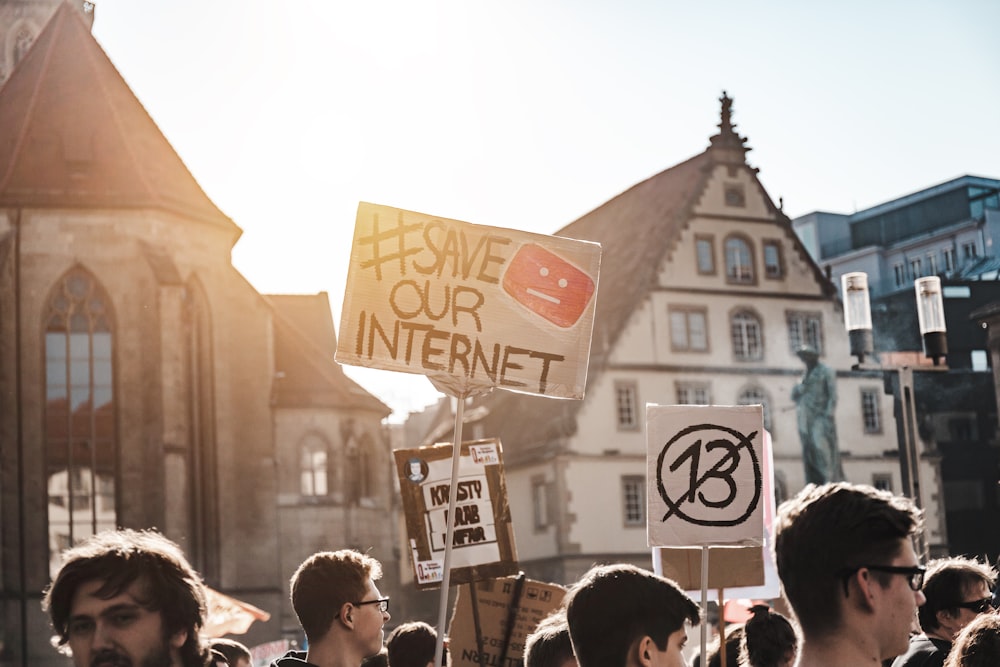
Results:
<point x="471" y="307"/>
<point x="483" y="538"/>
<point x="704" y="477"/>
<point x="493" y="618"/>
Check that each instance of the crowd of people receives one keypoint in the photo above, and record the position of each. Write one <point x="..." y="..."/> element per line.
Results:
<point x="844" y="553"/>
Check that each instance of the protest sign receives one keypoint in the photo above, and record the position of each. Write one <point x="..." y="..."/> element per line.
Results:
<point x="727" y="566"/>
<point x="471" y="307"/>
<point x="483" y="539"/>
<point x="493" y="618"/>
<point x="704" y="477"/>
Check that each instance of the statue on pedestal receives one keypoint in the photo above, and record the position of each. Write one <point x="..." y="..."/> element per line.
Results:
<point x="816" y="398"/>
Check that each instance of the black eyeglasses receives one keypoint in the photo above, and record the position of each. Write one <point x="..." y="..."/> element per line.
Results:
<point x="383" y="604"/>
<point x="914" y="575"/>
<point x="978" y="606"/>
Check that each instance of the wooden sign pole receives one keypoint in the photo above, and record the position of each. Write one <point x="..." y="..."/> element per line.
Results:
<point x="456" y="456"/>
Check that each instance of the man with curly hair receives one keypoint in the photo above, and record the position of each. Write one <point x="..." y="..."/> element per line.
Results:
<point x="129" y="599"/>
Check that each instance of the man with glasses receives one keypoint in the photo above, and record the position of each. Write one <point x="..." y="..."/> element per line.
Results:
<point x="339" y="608"/>
<point x="957" y="589"/>
<point x="844" y="553"/>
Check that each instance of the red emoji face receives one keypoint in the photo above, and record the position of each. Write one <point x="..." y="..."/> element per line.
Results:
<point x="548" y="285"/>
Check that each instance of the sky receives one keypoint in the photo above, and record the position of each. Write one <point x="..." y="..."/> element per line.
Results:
<point x="529" y="114"/>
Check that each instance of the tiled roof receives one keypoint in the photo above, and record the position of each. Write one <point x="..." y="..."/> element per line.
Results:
<point x="72" y="134"/>
<point x="304" y="344"/>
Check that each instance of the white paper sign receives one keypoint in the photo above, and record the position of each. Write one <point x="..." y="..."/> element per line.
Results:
<point x="704" y="476"/>
<point x="469" y="306"/>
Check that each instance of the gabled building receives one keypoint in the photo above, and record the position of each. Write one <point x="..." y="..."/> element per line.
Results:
<point x="705" y="294"/>
<point x="143" y="381"/>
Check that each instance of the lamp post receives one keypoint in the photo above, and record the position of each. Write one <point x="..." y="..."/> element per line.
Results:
<point x="898" y="380"/>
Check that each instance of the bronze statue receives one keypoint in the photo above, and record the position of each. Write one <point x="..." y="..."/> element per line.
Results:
<point x="816" y="399"/>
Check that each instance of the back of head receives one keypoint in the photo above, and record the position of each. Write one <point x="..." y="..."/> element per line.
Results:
<point x="119" y="558"/>
<point x="769" y="639"/>
<point x="325" y="582"/>
<point x="732" y="641"/>
<point x="380" y="659"/>
<point x="827" y="529"/>
<point x="947" y="583"/>
<point x="978" y="644"/>
<point x="232" y="650"/>
<point x="549" y="643"/>
<point x="411" y="644"/>
<point x="612" y="606"/>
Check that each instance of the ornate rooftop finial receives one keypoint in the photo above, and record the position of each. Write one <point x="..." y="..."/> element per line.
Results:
<point x="727" y="112"/>
<point x="730" y="147"/>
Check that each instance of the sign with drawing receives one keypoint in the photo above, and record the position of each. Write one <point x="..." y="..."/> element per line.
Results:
<point x="483" y="538"/>
<point x="471" y="307"/>
<point x="704" y="477"/>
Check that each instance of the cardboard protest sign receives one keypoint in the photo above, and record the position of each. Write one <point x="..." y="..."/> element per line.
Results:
<point x="493" y="618"/>
<point x="704" y="478"/>
<point x="728" y="567"/>
<point x="483" y="540"/>
<point x="469" y="306"/>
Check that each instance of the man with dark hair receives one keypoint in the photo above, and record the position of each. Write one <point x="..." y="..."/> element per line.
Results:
<point x="128" y="597"/>
<point x="957" y="589"/>
<point x="412" y="645"/>
<point x="624" y="616"/>
<point x="844" y="553"/>
<point x="339" y="608"/>
<point x="549" y="644"/>
<point x="235" y="653"/>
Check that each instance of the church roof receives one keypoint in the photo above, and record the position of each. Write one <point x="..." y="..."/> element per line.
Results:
<point x="72" y="134"/>
<point x="304" y="345"/>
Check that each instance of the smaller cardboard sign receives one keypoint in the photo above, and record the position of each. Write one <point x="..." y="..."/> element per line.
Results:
<point x="483" y="538"/>
<point x="704" y="476"/>
<point x="728" y="567"/>
<point x="493" y="618"/>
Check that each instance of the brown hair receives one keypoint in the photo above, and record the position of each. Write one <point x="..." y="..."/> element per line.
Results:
<point x="947" y="582"/>
<point x="978" y="644"/>
<point x="325" y="582"/>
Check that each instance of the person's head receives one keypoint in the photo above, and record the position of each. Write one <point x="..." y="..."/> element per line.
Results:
<point x="235" y="653"/>
<point x="978" y="644"/>
<point x="808" y="354"/>
<point x="730" y="643"/>
<point x="549" y="644"/>
<point x="380" y="659"/>
<point x="769" y="639"/>
<point x="127" y="595"/>
<point x="622" y="615"/>
<point x="834" y="547"/>
<point x="339" y="586"/>
<point x="413" y="644"/>
<point x="957" y="590"/>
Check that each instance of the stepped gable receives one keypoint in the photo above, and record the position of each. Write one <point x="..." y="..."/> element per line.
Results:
<point x="73" y="135"/>
<point x="304" y="344"/>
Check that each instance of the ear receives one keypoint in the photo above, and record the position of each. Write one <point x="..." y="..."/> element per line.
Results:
<point x="644" y="649"/>
<point x="869" y="590"/>
<point x="178" y="638"/>
<point x="346" y="614"/>
<point x="946" y="619"/>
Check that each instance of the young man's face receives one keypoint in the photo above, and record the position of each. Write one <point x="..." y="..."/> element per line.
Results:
<point x="953" y="621"/>
<point x="369" y="621"/>
<point x="119" y="632"/>
<point x="902" y="602"/>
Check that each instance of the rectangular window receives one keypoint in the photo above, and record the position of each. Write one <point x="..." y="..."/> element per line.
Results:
<point x="899" y="272"/>
<point x="882" y="481"/>
<point x="932" y="264"/>
<point x="804" y="328"/>
<point x="871" y="410"/>
<point x="627" y="405"/>
<point x="772" y="260"/>
<point x="949" y="259"/>
<point x="705" y="254"/>
<point x="916" y="268"/>
<point x="688" y="329"/>
<point x="693" y="393"/>
<point x="969" y="251"/>
<point x="634" y="500"/>
<point x="540" y="502"/>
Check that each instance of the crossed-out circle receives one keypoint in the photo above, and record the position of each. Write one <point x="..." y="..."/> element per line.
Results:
<point x="712" y="457"/>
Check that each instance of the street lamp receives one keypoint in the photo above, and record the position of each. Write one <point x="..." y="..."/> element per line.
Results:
<point x="898" y="380"/>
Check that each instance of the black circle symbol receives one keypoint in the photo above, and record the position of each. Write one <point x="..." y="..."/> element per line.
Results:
<point x="710" y="455"/>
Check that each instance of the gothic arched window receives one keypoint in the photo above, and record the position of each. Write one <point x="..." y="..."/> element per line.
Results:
<point x="80" y="451"/>
<point x="739" y="261"/>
